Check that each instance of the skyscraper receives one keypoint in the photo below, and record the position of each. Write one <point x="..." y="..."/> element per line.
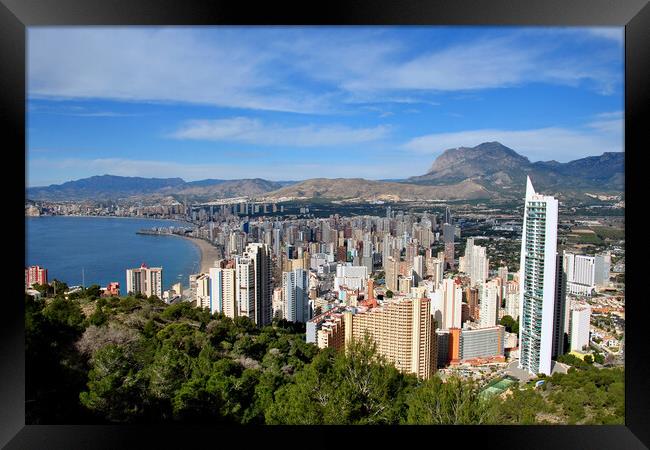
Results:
<point x="254" y="294"/>
<point x="295" y="287"/>
<point x="541" y="287"/>
<point x="245" y="287"/>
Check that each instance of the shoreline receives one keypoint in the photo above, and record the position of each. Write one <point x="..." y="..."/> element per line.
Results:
<point x="111" y="217"/>
<point x="207" y="251"/>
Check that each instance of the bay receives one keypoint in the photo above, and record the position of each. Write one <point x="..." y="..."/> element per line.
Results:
<point x="104" y="247"/>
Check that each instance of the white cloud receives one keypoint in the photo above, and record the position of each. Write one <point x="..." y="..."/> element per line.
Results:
<point x="155" y="64"/>
<point x="253" y="131"/>
<point x="608" y="123"/>
<point x="557" y="143"/>
<point x="297" y="69"/>
<point x="616" y="34"/>
<point x="381" y="67"/>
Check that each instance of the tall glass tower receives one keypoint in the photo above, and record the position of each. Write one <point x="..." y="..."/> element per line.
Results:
<point x="541" y="292"/>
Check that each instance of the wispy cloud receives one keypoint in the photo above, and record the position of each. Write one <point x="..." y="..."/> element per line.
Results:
<point x="558" y="143"/>
<point x="159" y="64"/>
<point x="300" y="70"/>
<point x="379" y="67"/>
<point x="616" y="34"/>
<point x="253" y="131"/>
<point x="75" y="110"/>
<point x="608" y="123"/>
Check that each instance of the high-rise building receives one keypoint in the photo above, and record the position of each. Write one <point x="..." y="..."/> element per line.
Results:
<point x="35" y="275"/>
<point x="435" y="269"/>
<point x="403" y="331"/>
<point x="502" y="272"/>
<point x="404" y="284"/>
<point x="245" y="287"/>
<point x="392" y="272"/>
<point x="512" y="304"/>
<point x="579" y="327"/>
<point x="144" y="280"/>
<point x="448" y="218"/>
<point x="259" y="256"/>
<point x="353" y="277"/>
<point x="465" y="265"/>
<point x="480" y="265"/>
<point x="295" y="288"/>
<point x="489" y="303"/>
<point x="447" y="309"/>
<point x="277" y="304"/>
<point x="471" y="297"/>
<point x="541" y="287"/>
<point x="203" y="291"/>
<point x="418" y="269"/>
<point x="223" y="295"/>
<point x="585" y="272"/>
<point x="448" y="235"/>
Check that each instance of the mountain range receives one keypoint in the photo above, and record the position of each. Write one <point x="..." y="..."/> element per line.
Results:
<point x="498" y="167"/>
<point x="487" y="171"/>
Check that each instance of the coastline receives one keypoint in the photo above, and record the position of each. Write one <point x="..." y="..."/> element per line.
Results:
<point x="112" y="217"/>
<point x="208" y="252"/>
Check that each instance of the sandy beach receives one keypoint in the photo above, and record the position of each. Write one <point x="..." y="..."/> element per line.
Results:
<point x="208" y="253"/>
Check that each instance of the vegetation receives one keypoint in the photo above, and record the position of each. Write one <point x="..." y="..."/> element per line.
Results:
<point x="138" y="360"/>
<point x="512" y="325"/>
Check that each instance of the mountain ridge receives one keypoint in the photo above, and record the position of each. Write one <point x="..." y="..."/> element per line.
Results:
<point x="488" y="170"/>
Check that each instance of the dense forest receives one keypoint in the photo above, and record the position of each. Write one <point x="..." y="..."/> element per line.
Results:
<point x="91" y="359"/>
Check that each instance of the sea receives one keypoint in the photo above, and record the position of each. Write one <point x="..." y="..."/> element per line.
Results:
<point x="98" y="250"/>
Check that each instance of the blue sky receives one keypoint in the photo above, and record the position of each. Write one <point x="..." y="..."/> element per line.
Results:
<point x="290" y="103"/>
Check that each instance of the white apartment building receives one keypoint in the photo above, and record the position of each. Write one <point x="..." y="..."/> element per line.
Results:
<point x="447" y="304"/>
<point x="541" y="290"/>
<point x="353" y="277"/>
<point x="489" y="304"/>
<point x="584" y="273"/>
<point x="579" y="327"/>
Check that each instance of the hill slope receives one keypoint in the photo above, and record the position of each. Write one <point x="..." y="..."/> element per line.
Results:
<point x="368" y="190"/>
<point x="114" y="187"/>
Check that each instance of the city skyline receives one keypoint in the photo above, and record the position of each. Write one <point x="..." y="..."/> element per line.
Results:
<point x="388" y="100"/>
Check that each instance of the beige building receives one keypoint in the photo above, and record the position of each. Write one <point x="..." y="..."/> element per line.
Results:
<point x="277" y="304"/>
<point x="144" y="280"/>
<point x="203" y="291"/>
<point x="392" y="272"/>
<point x="403" y="331"/>
<point x="404" y="284"/>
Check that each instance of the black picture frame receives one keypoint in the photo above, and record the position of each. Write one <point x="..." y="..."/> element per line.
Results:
<point x="16" y="15"/>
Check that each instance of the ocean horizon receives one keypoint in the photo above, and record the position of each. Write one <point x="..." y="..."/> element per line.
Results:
<point x="104" y="247"/>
